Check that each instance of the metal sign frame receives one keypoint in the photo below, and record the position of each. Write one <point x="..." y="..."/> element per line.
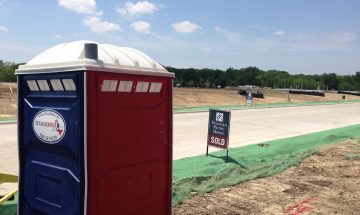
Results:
<point x="224" y="137"/>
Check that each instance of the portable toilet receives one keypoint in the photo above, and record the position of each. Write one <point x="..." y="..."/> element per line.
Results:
<point x="94" y="132"/>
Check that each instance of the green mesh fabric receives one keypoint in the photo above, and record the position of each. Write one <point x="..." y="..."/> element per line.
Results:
<point x="9" y="207"/>
<point x="203" y="174"/>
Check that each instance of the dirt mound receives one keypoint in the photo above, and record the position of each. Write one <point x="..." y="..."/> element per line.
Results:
<point x="326" y="183"/>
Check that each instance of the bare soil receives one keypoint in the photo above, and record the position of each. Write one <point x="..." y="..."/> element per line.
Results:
<point x="326" y="183"/>
<point x="189" y="97"/>
<point x="194" y="97"/>
<point x="8" y="100"/>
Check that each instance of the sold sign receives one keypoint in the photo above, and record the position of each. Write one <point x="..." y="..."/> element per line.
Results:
<point x="220" y="142"/>
<point x="219" y="127"/>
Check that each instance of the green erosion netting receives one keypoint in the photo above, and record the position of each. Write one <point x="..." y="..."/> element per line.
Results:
<point x="9" y="207"/>
<point x="203" y="174"/>
<point x="285" y="104"/>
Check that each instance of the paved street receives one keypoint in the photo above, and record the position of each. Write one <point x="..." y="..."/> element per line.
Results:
<point x="8" y="154"/>
<point x="247" y="127"/>
<point x="257" y="125"/>
<point x="8" y="149"/>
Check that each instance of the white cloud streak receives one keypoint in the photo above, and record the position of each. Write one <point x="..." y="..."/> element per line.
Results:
<point x="218" y="29"/>
<point x="80" y="6"/>
<point x="3" y="29"/>
<point x="343" y="36"/>
<point x="320" y="42"/>
<point x="96" y="25"/>
<point x="205" y="49"/>
<point x="185" y="27"/>
<point x="141" y="27"/>
<point x="279" y="33"/>
<point x="137" y="9"/>
<point x="59" y="36"/>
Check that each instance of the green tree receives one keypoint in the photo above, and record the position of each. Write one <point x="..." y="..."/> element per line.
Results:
<point x="7" y="71"/>
<point x="330" y="81"/>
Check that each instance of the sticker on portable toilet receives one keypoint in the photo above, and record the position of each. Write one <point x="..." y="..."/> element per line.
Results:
<point x="49" y="126"/>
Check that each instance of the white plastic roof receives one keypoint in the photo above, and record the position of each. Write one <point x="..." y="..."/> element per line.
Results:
<point x="70" y="57"/>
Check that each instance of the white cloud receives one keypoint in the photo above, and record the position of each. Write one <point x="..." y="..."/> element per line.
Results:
<point x="99" y="26"/>
<point x="80" y="6"/>
<point x="343" y="36"/>
<point x="170" y="41"/>
<point x="137" y="9"/>
<point x="3" y="29"/>
<point x="279" y="33"/>
<point x="205" y="49"/>
<point x="141" y="26"/>
<point x="59" y="36"/>
<point x="185" y="27"/>
<point x="218" y="29"/>
<point x="321" y="41"/>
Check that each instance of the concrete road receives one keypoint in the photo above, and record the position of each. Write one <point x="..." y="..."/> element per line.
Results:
<point x="247" y="127"/>
<point x="8" y="149"/>
<point x="257" y="125"/>
<point x="8" y="154"/>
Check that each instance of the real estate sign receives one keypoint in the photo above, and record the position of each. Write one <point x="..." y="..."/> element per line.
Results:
<point x="219" y="128"/>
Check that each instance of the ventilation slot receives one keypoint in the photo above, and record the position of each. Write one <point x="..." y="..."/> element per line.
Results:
<point x="56" y="85"/>
<point x="109" y="86"/>
<point x="69" y="84"/>
<point x="43" y="84"/>
<point x="155" y="87"/>
<point x="32" y="85"/>
<point x="142" y="87"/>
<point x="125" y="86"/>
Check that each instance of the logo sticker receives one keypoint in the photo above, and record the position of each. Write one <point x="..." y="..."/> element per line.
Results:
<point x="49" y="126"/>
<point x="219" y="117"/>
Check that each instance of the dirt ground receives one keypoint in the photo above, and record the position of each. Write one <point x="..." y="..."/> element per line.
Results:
<point x="8" y="100"/>
<point x="326" y="183"/>
<point x="188" y="97"/>
<point x="193" y="97"/>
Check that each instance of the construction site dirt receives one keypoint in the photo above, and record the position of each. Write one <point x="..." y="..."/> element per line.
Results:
<point x="325" y="183"/>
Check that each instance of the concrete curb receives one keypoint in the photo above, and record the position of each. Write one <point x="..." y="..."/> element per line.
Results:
<point x="8" y="122"/>
<point x="265" y="107"/>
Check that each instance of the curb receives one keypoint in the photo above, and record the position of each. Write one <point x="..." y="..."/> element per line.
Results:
<point x="264" y="107"/>
<point x="8" y="122"/>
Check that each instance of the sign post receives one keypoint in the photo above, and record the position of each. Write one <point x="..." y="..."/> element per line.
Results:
<point x="218" y="130"/>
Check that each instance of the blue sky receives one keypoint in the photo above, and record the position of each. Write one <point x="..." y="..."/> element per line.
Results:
<point x="308" y="36"/>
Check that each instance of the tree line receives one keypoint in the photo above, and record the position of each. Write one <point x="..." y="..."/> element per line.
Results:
<point x="7" y="71"/>
<point x="211" y="78"/>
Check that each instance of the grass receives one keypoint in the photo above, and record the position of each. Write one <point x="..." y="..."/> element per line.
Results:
<point x="5" y="119"/>
<point x="272" y="105"/>
<point x="353" y="157"/>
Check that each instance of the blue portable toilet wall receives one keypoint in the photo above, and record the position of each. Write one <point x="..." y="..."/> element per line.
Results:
<point x="51" y="143"/>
